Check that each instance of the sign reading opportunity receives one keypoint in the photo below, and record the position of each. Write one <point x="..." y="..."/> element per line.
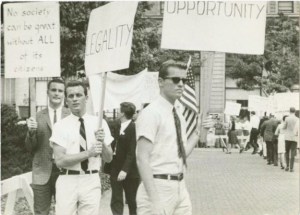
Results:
<point x="31" y="40"/>
<point x="234" y="27"/>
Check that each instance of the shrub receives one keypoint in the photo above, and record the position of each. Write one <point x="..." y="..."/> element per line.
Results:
<point x="15" y="158"/>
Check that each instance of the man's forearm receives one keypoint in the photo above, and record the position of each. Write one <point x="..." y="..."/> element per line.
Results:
<point x="192" y="142"/>
<point x="66" y="160"/>
<point x="31" y="141"/>
<point x="107" y="153"/>
<point x="147" y="179"/>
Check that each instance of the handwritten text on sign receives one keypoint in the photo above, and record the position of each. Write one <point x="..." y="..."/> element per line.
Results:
<point x="109" y="37"/>
<point x="236" y="27"/>
<point x="31" y="40"/>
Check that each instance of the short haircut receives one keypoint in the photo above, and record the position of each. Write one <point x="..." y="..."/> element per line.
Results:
<point x="75" y="84"/>
<point x="128" y="109"/>
<point x="253" y="112"/>
<point x="292" y="110"/>
<point x="55" y="81"/>
<point x="283" y="119"/>
<point x="163" y="70"/>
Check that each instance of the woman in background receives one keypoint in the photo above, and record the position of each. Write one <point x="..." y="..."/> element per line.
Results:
<point x="232" y="138"/>
<point x="280" y="132"/>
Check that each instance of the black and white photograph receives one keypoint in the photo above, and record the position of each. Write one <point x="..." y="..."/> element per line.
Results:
<point x="150" y="107"/>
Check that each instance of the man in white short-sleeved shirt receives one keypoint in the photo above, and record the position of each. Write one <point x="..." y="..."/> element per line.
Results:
<point x="78" y="147"/>
<point x="161" y="158"/>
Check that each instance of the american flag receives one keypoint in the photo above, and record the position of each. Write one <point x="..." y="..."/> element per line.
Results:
<point x="188" y="100"/>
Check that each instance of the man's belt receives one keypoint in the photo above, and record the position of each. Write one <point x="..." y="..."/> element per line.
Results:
<point x="178" y="177"/>
<point x="76" y="172"/>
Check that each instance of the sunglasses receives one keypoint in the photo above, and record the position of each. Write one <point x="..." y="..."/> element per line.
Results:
<point x="176" y="80"/>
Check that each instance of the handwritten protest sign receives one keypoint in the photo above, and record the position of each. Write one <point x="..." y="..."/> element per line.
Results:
<point x="232" y="108"/>
<point x="31" y="40"/>
<point x="235" y="27"/>
<point x="109" y="37"/>
<point x="257" y="103"/>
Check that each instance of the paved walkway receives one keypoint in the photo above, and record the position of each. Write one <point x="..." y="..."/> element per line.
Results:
<point x="236" y="184"/>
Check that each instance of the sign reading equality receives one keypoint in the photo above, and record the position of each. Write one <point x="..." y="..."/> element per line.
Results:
<point x="109" y="37"/>
<point x="223" y="26"/>
<point x="31" y="40"/>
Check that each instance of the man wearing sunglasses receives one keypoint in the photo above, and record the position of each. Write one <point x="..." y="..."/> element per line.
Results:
<point x="163" y="147"/>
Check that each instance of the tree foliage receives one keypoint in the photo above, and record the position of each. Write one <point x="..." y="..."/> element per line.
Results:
<point x="276" y="70"/>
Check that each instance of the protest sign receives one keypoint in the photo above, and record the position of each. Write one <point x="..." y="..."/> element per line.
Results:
<point x="109" y="37"/>
<point x="235" y="27"/>
<point x="151" y="88"/>
<point x="257" y="103"/>
<point x="119" y="88"/>
<point x="232" y="108"/>
<point x="285" y="101"/>
<point x="31" y="40"/>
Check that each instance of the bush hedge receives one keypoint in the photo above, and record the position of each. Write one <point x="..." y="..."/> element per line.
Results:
<point x="15" y="158"/>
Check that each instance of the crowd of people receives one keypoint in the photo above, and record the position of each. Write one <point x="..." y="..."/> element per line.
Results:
<point x="147" y="159"/>
<point x="276" y="140"/>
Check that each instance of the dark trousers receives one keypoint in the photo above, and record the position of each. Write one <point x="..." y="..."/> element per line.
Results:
<point x="275" y="151"/>
<point x="253" y="138"/>
<point x="130" y="186"/>
<point x="290" y="146"/>
<point x="42" y="194"/>
<point x="270" y="157"/>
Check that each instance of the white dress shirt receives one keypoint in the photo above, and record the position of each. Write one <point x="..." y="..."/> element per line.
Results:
<point x="124" y="125"/>
<point x="66" y="134"/>
<point x="156" y="123"/>
<point x="51" y="114"/>
<point x="254" y="121"/>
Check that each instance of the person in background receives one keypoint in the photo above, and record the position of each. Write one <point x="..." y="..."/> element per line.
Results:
<point x="281" y="142"/>
<point x="268" y="129"/>
<point x="219" y="130"/>
<point x="124" y="175"/>
<point x="239" y="133"/>
<point x="44" y="169"/>
<point x="232" y="137"/>
<point x="263" y="152"/>
<point x="290" y="139"/>
<point x="246" y="128"/>
<point x="254" y="121"/>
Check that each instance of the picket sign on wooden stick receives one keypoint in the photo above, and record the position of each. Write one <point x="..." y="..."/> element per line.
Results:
<point x="100" y="114"/>
<point x="207" y="92"/>
<point x="32" y="87"/>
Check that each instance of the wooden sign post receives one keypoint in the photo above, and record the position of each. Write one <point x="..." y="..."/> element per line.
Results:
<point x="32" y="96"/>
<point x="102" y="98"/>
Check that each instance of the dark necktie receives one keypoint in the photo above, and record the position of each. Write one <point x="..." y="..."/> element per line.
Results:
<point x="83" y="145"/>
<point x="55" y="119"/>
<point x="181" y="150"/>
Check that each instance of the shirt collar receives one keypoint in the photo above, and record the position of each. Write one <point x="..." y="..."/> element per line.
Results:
<point x="58" y="110"/>
<point x="165" y="103"/>
<point x="76" y="118"/>
<point x="124" y="125"/>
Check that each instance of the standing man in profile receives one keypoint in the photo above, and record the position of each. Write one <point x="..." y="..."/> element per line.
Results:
<point x="267" y="131"/>
<point x="77" y="143"/>
<point x="290" y="139"/>
<point x="163" y="147"/>
<point x="44" y="170"/>
<point x="254" y="121"/>
<point x="124" y="174"/>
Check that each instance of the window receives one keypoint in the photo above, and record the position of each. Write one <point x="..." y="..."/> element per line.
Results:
<point x="162" y="7"/>
<point x="285" y="7"/>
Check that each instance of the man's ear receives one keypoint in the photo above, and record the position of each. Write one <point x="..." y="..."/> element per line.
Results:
<point x="160" y="82"/>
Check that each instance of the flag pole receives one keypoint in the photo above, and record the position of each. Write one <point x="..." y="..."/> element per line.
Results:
<point x="207" y="92"/>
<point x="32" y="87"/>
